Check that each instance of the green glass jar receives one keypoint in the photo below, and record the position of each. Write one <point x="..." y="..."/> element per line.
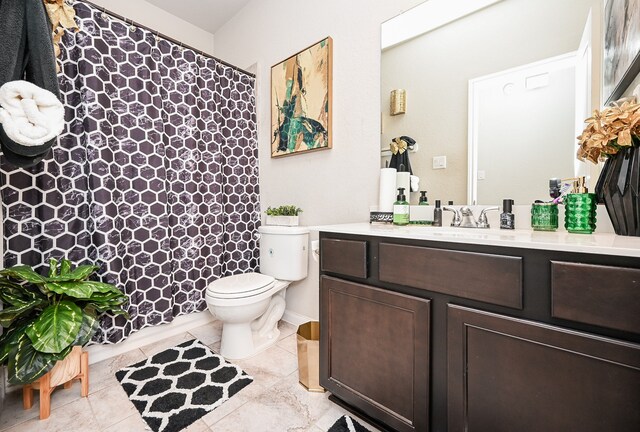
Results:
<point x="544" y="216"/>
<point x="580" y="213"/>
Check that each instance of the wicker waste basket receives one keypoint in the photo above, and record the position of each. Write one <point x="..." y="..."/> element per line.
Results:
<point x="309" y="356"/>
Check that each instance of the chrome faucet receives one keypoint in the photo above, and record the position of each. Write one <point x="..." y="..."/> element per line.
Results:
<point x="463" y="218"/>
<point x="457" y="218"/>
<point x="483" y="222"/>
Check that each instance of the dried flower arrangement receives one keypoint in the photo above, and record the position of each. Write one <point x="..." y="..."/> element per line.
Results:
<point x="610" y="130"/>
<point x="62" y="17"/>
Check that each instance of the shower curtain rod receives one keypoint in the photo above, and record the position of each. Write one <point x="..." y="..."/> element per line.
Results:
<point x="164" y="36"/>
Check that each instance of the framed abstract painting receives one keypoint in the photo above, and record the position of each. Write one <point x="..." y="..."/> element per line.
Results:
<point x="301" y="101"/>
<point x="621" y="47"/>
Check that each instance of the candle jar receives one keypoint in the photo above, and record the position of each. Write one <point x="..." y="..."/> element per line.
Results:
<point x="544" y="216"/>
<point x="580" y="213"/>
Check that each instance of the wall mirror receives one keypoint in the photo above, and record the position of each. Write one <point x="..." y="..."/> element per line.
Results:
<point x="500" y="88"/>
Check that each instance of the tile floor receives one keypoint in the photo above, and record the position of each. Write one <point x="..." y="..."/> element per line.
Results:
<point x="274" y="402"/>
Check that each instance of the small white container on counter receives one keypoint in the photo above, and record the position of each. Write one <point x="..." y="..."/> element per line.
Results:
<point x="421" y="214"/>
<point x="283" y="220"/>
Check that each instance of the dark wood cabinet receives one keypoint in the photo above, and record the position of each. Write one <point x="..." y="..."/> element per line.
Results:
<point x="602" y="295"/>
<point x="421" y="335"/>
<point x="507" y="374"/>
<point x="375" y="352"/>
<point x="489" y="278"/>
<point x="344" y="257"/>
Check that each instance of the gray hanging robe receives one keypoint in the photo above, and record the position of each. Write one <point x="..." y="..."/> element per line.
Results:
<point x="26" y="52"/>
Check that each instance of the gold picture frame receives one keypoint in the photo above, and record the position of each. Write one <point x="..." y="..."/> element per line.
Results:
<point x="301" y="101"/>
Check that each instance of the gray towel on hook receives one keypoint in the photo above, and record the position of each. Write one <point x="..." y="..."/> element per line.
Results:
<point x="13" y="40"/>
<point x="26" y="51"/>
<point x="41" y="64"/>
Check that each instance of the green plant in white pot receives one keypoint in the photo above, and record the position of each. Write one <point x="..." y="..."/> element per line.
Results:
<point x="44" y="317"/>
<point x="286" y="215"/>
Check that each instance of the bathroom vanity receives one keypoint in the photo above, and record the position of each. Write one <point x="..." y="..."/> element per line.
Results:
<point x="442" y="329"/>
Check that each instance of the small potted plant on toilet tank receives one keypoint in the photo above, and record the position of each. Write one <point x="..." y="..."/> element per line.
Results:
<point x="285" y="215"/>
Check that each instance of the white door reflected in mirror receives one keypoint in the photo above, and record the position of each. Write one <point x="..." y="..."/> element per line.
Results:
<point x="534" y="120"/>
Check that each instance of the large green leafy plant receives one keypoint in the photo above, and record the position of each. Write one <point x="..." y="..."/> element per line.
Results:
<point x="45" y="316"/>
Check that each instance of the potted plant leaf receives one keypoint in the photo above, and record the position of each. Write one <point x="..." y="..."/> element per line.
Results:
<point x="44" y="317"/>
<point x="286" y="215"/>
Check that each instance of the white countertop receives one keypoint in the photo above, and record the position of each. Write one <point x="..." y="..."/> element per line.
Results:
<point x="605" y="244"/>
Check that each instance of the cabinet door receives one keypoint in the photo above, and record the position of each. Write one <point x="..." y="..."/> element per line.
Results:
<point x="507" y="374"/>
<point x="374" y="352"/>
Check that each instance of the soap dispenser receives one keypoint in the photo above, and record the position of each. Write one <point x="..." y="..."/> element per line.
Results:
<point x="507" y="218"/>
<point x="437" y="215"/>
<point x="423" y="198"/>
<point x="401" y="209"/>
<point x="580" y="209"/>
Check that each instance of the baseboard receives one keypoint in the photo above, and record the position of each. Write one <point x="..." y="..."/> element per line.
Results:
<point x="295" y="318"/>
<point x="182" y="324"/>
<point x="149" y="335"/>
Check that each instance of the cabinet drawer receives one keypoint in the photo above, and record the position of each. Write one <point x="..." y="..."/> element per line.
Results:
<point x="495" y="279"/>
<point x="593" y="294"/>
<point x="345" y="257"/>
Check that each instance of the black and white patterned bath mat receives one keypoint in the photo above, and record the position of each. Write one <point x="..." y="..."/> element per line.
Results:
<point x="347" y="424"/>
<point x="176" y="387"/>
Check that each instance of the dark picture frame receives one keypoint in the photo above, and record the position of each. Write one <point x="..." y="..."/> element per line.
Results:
<point x="621" y="47"/>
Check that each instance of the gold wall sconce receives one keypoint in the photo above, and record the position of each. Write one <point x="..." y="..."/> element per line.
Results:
<point x="398" y="102"/>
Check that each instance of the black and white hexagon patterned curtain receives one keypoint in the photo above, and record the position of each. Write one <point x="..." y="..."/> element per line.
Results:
<point x="155" y="177"/>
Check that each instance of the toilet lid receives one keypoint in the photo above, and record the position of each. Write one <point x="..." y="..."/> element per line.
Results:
<point x="240" y="285"/>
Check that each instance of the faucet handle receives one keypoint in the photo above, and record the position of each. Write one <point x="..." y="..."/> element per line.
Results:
<point x="483" y="222"/>
<point x="465" y="211"/>
<point x="457" y="218"/>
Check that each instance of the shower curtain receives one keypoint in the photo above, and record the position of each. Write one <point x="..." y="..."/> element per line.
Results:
<point x="155" y="177"/>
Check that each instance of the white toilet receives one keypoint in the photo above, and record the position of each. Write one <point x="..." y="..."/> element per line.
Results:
<point x="251" y="304"/>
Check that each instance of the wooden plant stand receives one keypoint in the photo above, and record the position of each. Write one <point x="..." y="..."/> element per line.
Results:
<point x="74" y="366"/>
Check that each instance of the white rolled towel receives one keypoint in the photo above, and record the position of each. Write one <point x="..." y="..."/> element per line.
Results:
<point x="415" y="183"/>
<point x="30" y="115"/>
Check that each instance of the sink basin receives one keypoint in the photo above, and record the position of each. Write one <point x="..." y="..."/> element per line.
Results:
<point x="436" y="233"/>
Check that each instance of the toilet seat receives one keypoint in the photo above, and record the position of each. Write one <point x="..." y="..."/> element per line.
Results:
<point x="240" y="286"/>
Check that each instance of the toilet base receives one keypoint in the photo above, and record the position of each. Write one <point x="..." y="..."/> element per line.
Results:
<point x="232" y="333"/>
<point x="244" y="340"/>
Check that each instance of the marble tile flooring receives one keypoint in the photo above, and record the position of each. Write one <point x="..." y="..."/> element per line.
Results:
<point x="274" y="402"/>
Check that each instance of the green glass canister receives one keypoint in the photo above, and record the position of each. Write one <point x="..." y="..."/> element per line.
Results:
<point x="580" y="213"/>
<point x="544" y="216"/>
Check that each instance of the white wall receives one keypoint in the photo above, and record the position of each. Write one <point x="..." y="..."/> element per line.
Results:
<point x="158" y="19"/>
<point x="331" y="186"/>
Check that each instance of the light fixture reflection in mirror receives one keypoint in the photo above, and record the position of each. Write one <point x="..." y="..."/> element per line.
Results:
<point x="438" y="67"/>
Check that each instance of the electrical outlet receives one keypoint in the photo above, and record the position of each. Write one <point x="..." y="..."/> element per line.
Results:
<point x="439" y="162"/>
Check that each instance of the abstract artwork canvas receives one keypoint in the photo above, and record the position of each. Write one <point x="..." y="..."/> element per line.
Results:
<point x="301" y="101"/>
<point x="621" y="47"/>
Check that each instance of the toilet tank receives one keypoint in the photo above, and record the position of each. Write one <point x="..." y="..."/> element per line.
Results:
<point x="284" y="252"/>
